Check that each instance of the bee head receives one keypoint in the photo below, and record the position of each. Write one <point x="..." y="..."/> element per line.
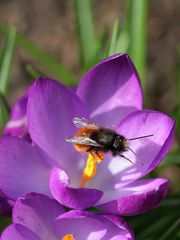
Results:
<point x="119" y="143"/>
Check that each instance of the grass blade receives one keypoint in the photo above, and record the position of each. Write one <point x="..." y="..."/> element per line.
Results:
<point x="4" y="112"/>
<point x="171" y="231"/>
<point x="138" y="22"/>
<point x="34" y="72"/>
<point x="6" y="60"/>
<point x="113" y="40"/>
<point x="177" y="74"/>
<point x="87" y="44"/>
<point x="155" y="223"/>
<point x="119" y="39"/>
<point x="172" y="159"/>
<point x="57" y="69"/>
<point x="5" y="69"/>
<point x="3" y="224"/>
<point x="123" y="40"/>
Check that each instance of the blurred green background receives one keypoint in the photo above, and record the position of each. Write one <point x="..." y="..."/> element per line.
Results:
<point x="63" y="39"/>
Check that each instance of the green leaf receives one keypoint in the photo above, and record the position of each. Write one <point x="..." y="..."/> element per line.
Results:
<point x="176" y="114"/>
<point x="176" y="110"/>
<point x="4" y="112"/>
<point x="57" y="69"/>
<point x="123" y="38"/>
<point x="119" y="41"/>
<point x="6" y="60"/>
<point x="102" y="42"/>
<point x="155" y="223"/>
<point x="177" y="74"/>
<point x="138" y="27"/>
<point x="172" y="159"/>
<point x="4" y="222"/>
<point x="113" y="40"/>
<point x="34" y="72"/>
<point x="1" y="55"/>
<point x="85" y="30"/>
<point x="6" y="57"/>
<point x="172" y="231"/>
<point x="122" y="42"/>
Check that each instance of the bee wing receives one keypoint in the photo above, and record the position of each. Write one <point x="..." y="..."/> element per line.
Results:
<point x="84" y="123"/>
<point x="83" y="141"/>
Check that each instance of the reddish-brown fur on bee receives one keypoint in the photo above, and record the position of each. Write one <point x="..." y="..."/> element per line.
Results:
<point x="82" y="132"/>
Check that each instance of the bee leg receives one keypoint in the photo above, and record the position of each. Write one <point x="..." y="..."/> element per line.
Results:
<point x="125" y="158"/>
<point x="100" y="156"/>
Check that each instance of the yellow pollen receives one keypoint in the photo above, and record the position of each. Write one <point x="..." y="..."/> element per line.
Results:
<point x="68" y="237"/>
<point x="90" y="168"/>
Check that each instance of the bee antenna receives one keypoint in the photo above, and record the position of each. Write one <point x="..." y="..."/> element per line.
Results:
<point x="135" y="154"/>
<point x="125" y="158"/>
<point x="140" y="137"/>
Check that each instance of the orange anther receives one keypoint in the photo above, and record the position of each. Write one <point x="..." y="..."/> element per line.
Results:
<point x="68" y="237"/>
<point x="90" y="169"/>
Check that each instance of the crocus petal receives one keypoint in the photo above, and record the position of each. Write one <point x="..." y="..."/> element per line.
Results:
<point x="17" y="126"/>
<point x="77" y="198"/>
<point x="51" y="108"/>
<point x="119" y="221"/>
<point x="37" y="212"/>
<point x="20" y="107"/>
<point x="111" y="88"/>
<point x="137" y="197"/>
<point x="87" y="226"/>
<point x="148" y="152"/>
<point x="18" y="232"/>
<point x="21" y="168"/>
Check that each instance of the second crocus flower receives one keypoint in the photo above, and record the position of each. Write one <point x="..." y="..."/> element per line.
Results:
<point x="37" y="217"/>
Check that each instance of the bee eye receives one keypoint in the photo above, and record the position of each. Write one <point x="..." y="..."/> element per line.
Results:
<point x="119" y="140"/>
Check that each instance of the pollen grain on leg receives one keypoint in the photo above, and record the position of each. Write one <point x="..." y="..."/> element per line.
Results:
<point x="68" y="237"/>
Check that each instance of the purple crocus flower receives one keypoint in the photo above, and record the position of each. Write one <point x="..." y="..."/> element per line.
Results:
<point x="109" y="94"/>
<point x="17" y="126"/>
<point x="38" y="217"/>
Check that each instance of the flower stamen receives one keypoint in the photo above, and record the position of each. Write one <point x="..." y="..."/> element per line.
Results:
<point x="90" y="168"/>
<point x="68" y="237"/>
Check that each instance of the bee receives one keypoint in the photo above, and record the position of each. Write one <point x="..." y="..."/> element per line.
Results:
<point x="97" y="140"/>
